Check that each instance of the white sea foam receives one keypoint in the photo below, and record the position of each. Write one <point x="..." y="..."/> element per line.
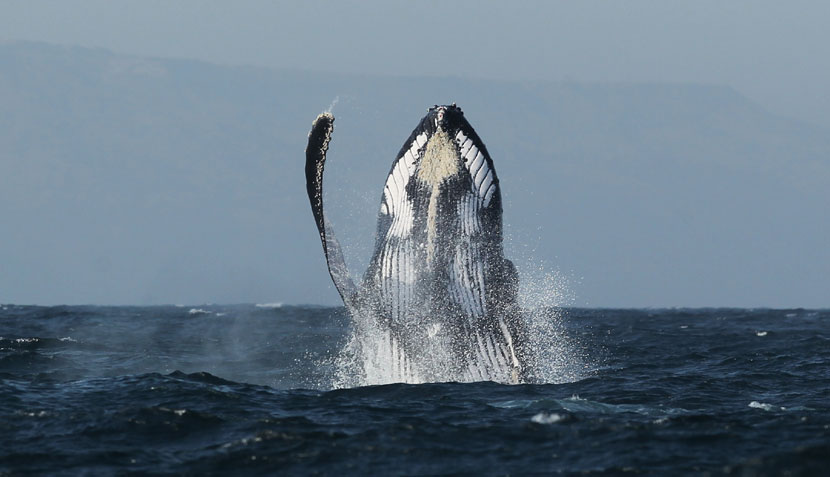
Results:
<point x="198" y="311"/>
<point x="277" y="304"/>
<point x="544" y="418"/>
<point x="762" y="405"/>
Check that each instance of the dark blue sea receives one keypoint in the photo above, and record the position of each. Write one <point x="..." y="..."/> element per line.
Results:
<point x="260" y="390"/>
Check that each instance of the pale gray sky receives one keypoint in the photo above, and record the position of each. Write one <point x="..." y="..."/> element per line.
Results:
<point x="774" y="52"/>
<point x="651" y="195"/>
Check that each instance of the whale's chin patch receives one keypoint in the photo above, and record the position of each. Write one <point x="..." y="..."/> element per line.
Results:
<point x="438" y="165"/>
<point x="440" y="160"/>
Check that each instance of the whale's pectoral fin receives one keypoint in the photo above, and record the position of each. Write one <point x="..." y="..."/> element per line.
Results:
<point x="315" y="153"/>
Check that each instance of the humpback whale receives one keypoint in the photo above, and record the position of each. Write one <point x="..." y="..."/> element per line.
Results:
<point x="438" y="290"/>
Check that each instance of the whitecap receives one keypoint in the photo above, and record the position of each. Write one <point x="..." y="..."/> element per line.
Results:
<point x="277" y="304"/>
<point x="761" y="405"/>
<point x="198" y="311"/>
<point x="544" y="418"/>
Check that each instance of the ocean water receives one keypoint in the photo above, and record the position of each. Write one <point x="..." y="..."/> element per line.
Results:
<point x="266" y="389"/>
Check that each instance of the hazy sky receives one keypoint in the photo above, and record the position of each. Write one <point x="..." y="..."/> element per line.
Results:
<point x="745" y="234"/>
<point x="774" y="52"/>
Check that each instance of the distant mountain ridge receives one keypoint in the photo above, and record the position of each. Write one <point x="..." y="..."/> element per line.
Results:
<point x="140" y="180"/>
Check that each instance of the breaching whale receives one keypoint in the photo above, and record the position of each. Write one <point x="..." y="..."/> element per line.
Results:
<point x="438" y="289"/>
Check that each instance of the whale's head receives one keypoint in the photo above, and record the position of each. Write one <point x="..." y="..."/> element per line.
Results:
<point x="441" y="145"/>
<point x="445" y="145"/>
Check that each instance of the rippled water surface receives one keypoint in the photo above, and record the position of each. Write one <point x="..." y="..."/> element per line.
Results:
<point x="241" y="389"/>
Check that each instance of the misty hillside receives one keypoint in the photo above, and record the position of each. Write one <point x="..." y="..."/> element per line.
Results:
<point x="128" y="180"/>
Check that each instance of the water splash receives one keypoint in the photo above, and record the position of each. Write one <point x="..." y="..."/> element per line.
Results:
<point x="370" y="355"/>
<point x="555" y="355"/>
<point x="332" y="105"/>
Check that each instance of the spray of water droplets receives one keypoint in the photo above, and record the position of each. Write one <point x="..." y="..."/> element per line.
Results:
<point x="555" y="355"/>
<point x="367" y="357"/>
<point x="332" y="105"/>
